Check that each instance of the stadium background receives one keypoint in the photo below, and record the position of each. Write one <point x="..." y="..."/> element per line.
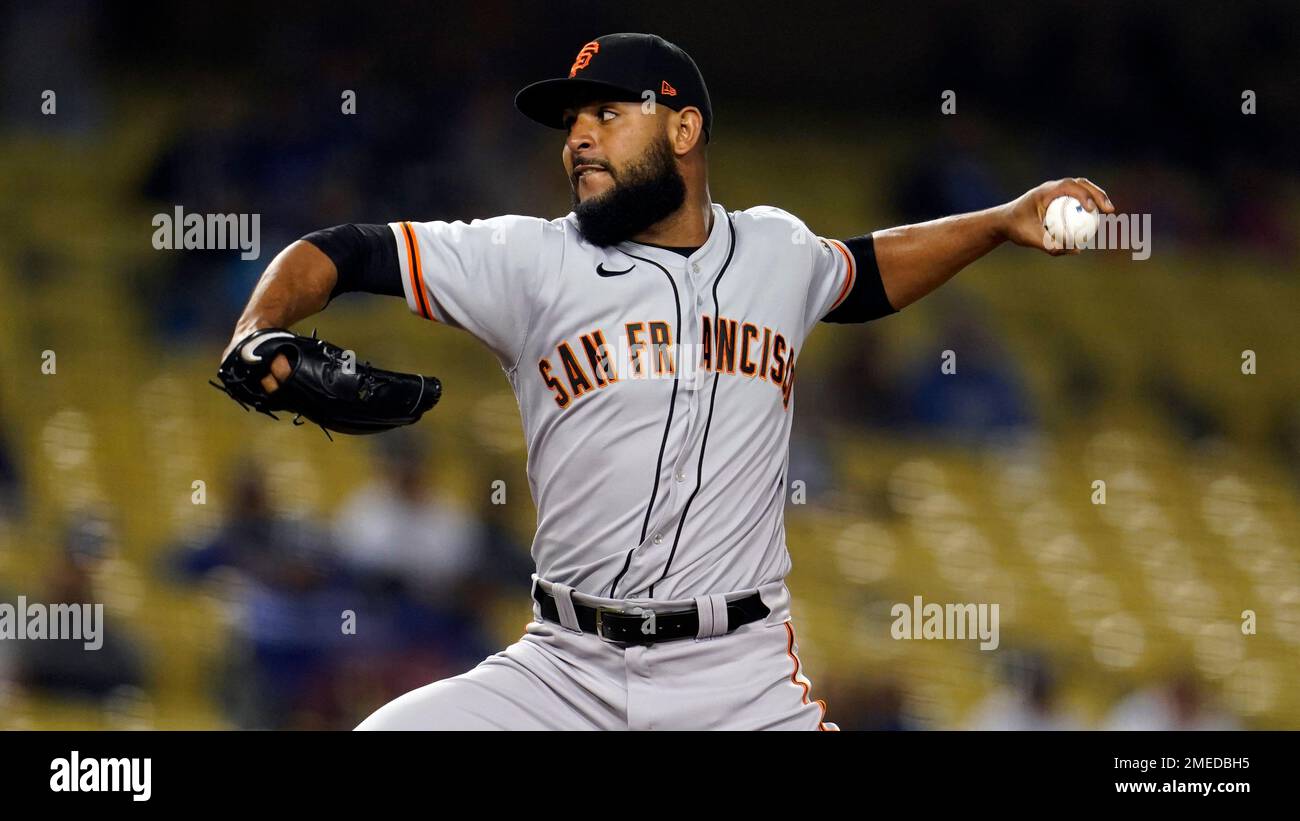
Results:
<point x="972" y="487"/>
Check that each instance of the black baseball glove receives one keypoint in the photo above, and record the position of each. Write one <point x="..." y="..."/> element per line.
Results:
<point x="326" y="384"/>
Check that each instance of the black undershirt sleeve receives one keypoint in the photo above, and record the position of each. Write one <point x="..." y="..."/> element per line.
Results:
<point x="867" y="300"/>
<point x="365" y="256"/>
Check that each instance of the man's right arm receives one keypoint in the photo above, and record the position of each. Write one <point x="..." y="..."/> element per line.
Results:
<point x="305" y="276"/>
<point x="484" y="277"/>
<point x="294" y="286"/>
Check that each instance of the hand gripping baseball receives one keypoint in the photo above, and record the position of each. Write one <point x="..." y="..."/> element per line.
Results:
<point x="325" y="385"/>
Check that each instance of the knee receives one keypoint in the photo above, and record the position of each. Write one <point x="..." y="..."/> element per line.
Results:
<point x="426" y="708"/>
<point x="458" y="703"/>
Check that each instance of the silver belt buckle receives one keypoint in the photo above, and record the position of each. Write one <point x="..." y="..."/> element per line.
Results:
<point x="600" y="620"/>
<point x="647" y="616"/>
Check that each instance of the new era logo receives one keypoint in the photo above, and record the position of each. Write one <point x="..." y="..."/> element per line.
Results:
<point x="667" y="90"/>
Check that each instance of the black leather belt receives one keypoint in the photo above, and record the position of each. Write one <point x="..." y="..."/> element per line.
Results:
<point x="628" y="626"/>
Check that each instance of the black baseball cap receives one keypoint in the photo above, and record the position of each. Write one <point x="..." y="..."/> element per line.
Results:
<point x="620" y="68"/>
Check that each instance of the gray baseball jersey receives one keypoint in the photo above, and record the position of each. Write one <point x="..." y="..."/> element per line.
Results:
<point x="656" y="390"/>
<point x="657" y="393"/>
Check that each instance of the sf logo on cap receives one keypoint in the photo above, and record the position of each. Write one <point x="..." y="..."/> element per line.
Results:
<point x="584" y="57"/>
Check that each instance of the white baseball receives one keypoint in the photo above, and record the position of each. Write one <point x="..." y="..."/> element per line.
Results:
<point x="1067" y="224"/>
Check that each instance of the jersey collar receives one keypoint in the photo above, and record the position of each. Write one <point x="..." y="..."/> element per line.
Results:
<point x="709" y="255"/>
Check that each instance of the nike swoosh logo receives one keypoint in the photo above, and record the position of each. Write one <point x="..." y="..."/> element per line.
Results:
<point x="602" y="271"/>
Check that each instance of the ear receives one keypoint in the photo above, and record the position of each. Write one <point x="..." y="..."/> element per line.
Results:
<point x="686" y="130"/>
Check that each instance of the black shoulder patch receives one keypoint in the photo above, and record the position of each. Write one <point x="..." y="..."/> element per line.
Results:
<point x="365" y="256"/>
<point x="867" y="300"/>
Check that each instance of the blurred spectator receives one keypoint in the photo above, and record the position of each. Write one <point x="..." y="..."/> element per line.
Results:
<point x="1255" y="209"/>
<point x="981" y="399"/>
<point x="1188" y="416"/>
<point x="950" y="175"/>
<point x="1284" y="437"/>
<point x="859" y="388"/>
<point x="430" y="573"/>
<point x="1080" y="381"/>
<point x="55" y="45"/>
<point x="811" y="464"/>
<point x="398" y="529"/>
<point x="506" y="563"/>
<point x="1028" y="698"/>
<point x="391" y="607"/>
<point x="64" y="666"/>
<point x="1179" y="703"/>
<point x="858" y="704"/>
<point x="12" y="501"/>
<point x="262" y="545"/>
<point x="286" y="597"/>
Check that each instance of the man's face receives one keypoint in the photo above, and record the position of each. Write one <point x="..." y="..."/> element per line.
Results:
<point x="622" y="170"/>
<point x="603" y="139"/>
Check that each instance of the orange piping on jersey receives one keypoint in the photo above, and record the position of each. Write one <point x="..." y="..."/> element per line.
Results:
<point x="848" y="279"/>
<point x="416" y="273"/>
<point x="794" y="677"/>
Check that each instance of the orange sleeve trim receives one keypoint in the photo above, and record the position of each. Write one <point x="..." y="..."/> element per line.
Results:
<point x="416" y="273"/>
<point x="794" y="676"/>
<point x="849" y="277"/>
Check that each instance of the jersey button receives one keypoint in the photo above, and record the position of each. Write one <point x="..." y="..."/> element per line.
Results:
<point x="695" y="267"/>
<point x="659" y="538"/>
<point x="681" y="477"/>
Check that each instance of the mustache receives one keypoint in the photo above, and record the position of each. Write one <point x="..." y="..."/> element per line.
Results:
<point x="652" y="189"/>
<point x="581" y="161"/>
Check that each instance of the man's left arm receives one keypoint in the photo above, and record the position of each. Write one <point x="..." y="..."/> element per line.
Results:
<point x="915" y="259"/>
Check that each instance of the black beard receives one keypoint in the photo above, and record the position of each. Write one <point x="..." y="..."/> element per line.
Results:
<point x="646" y="192"/>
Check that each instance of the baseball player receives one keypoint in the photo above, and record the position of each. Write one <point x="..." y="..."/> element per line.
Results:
<point x="652" y="338"/>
